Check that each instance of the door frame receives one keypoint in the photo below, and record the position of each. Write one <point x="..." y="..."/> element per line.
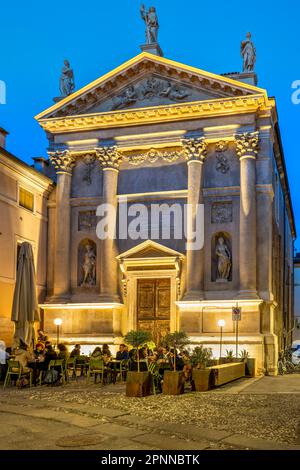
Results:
<point x="131" y="300"/>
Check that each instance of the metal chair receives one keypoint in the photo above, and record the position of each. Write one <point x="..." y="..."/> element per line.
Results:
<point x="59" y="365"/>
<point x="15" y="368"/>
<point x="70" y="365"/>
<point x="96" y="367"/>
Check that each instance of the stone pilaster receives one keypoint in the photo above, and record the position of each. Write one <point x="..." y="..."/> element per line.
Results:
<point x="63" y="163"/>
<point x="247" y="149"/>
<point x="109" y="158"/>
<point x="195" y="151"/>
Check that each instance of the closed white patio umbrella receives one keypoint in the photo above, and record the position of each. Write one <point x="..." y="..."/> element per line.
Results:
<point x="25" y="306"/>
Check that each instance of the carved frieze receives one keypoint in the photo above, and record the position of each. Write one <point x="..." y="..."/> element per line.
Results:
<point x="151" y="88"/>
<point x="247" y="144"/>
<point x="221" y="212"/>
<point x="222" y="164"/>
<point x="153" y="155"/>
<point x="87" y="221"/>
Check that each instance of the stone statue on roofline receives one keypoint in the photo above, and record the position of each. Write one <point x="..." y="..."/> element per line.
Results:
<point x="151" y="21"/>
<point x="248" y="53"/>
<point x="66" y="80"/>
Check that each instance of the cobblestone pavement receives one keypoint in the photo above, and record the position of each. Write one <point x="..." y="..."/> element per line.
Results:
<point x="247" y="414"/>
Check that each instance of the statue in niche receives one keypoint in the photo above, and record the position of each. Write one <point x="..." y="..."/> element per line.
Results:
<point x="89" y="267"/>
<point x="248" y="52"/>
<point x="151" y="22"/>
<point x="224" y="260"/>
<point x="89" y="161"/>
<point x="66" y="81"/>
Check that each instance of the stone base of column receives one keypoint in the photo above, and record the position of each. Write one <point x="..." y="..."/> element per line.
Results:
<point x="60" y="299"/>
<point x="109" y="298"/>
<point x="193" y="295"/>
<point x="247" y="294"/>
<point x="271" y="354"/>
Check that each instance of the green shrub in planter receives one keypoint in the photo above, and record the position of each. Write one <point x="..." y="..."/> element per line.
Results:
<point x="201" y="376"/>
<point x="173" y="383"/>
<point x="137" y="383"/>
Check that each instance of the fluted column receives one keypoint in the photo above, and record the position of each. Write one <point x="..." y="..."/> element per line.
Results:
<point x="63" y="163"/>
<point x="109" y="158"/>
<point x="247" y="149"/>
<point x="195" y="151"/>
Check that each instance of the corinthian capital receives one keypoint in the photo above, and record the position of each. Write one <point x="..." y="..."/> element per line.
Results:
<point x="109" y="157"/>
<point x="195" y="149"/>
<point x="63" y="161"/>
<point x="247" y="144"/>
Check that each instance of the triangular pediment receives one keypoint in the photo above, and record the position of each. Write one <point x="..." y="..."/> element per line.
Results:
<point x="149" y="249"/>
<point x="146" y="81"/>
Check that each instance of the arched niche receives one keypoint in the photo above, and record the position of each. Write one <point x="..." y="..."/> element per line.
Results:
<point x="221" y="257"/>
<point x="87" y="263"/>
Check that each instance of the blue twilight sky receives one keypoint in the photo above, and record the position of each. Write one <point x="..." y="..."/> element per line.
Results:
<point x="97" y="35"/>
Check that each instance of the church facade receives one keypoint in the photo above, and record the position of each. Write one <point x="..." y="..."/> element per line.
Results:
<point x="154" y="133"/>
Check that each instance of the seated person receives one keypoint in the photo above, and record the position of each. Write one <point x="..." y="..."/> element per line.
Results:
<point x="3" y="360"/>
<point x="63" y="351"/>
<point x="133" y="362"/>
<point x="106" y="354"/>
<point x="97" y="353"/>
<point x="122" y="354"/>
<point x="24" y="356"/>
<point x="178" y="359"/>
<point x="50" y="355"/>
<point x="76" y="351"/>
<point x="41" y="336"/>
<point x="39" y="351"/>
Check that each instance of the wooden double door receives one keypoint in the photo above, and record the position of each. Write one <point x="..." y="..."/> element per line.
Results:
<point x="154" y="306"/>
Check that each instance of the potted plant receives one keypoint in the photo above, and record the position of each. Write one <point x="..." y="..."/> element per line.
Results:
<point x="138" y="383"/>
<point x="201" y="375"/>
<point x="229" y="355"/>
<point x="250" y="363"/>
<point x="173" y="383"/>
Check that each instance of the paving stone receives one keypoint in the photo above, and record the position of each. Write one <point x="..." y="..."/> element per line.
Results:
<point x="257" y="444"/>
<point x="74" y="420"/>
<point x="117" y="430"/>
<point x="167" y="443"/>
<point x="188" y="430"/>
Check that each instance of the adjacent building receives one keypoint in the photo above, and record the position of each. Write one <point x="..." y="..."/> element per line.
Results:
<point x="296" y="335"/>
<point x="24" y="193"/>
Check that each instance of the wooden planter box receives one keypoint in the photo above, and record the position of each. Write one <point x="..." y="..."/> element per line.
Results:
<point x="173" y="383"/>
<point x="201" y="378"/>
<point x="138" y="384"/>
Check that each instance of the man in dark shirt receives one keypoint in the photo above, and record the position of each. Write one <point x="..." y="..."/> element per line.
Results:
<point x="122" y="354"/>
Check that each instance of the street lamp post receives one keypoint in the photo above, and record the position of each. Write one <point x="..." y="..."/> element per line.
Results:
<point x="57" y="322"/>
<point x="221" y="324"/>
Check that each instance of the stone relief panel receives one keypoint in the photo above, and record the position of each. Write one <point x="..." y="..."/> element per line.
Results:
<point x="150" y="179"/>
<point x="87" y="177"/>
<point x="151" y="91"/>
<point x="221" y="212"/>
<point x="87" y="257"/>
<point x="87" y="221"/>
<point x="221" y="257"/>
<point x="221" y="166"/>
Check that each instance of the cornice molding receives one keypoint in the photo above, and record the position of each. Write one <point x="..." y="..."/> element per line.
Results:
<point x="157" y="114"/>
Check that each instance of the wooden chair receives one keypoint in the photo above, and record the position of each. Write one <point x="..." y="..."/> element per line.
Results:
<point x="15" y="368"/>
<point x="96" y="367"/>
